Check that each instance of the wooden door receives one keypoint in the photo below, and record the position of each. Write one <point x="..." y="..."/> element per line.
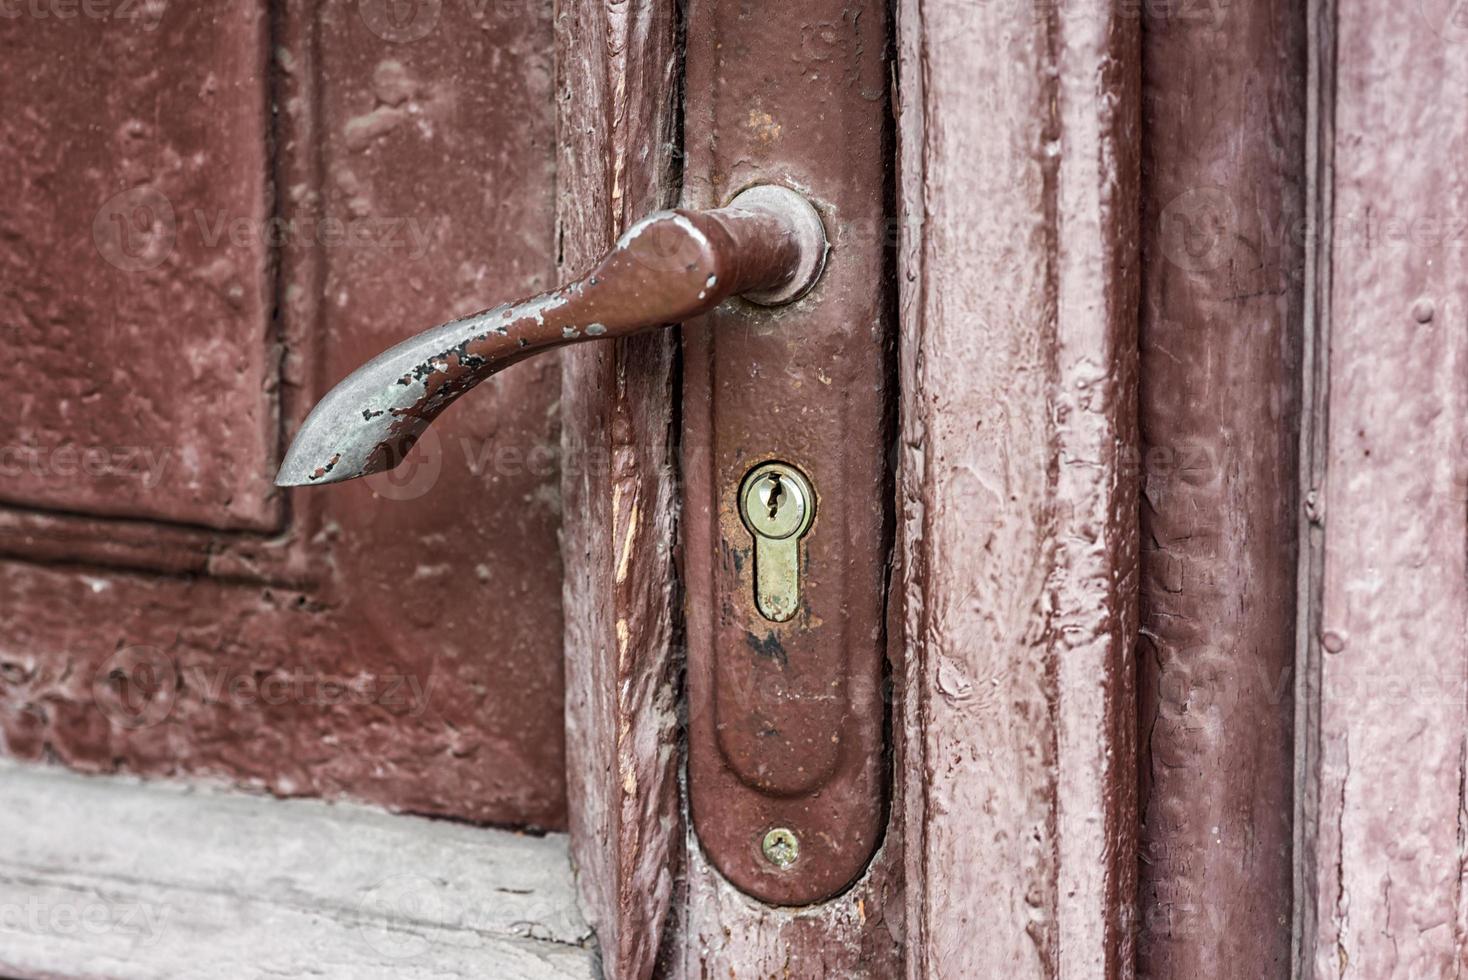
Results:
<point x="1168" y="511"/>
<point x="213" y="212"/>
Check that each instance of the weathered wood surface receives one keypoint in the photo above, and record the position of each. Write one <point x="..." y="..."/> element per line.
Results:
<point x="1223" y="273"/>
<point x="109" y="878"/>
<point x="1019" y="129"/>
<point x="616" y="87"/>
<point x="395" y="640"/>
<point x="1384" y="761"/>
<point x="137" y="380"/>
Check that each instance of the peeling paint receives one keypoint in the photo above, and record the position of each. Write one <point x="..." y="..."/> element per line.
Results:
<point x="370" y="420"/>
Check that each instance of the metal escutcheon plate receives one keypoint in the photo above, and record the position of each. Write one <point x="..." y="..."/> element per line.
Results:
<point x="787" y="769"/>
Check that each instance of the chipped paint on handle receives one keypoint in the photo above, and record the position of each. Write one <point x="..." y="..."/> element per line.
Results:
<point x="668" y="267"/>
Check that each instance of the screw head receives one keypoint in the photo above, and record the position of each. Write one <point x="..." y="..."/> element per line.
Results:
<point x="776" y="501"/>
<point x="781" y="847"/>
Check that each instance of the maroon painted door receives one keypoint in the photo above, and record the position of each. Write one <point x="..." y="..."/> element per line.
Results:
<point x="212" y="212"/>
<point x="1163" y="523"/>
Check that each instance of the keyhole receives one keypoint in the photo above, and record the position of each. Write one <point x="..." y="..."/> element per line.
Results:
<point x="776" y="503"/>
<point x="777" y="490"/>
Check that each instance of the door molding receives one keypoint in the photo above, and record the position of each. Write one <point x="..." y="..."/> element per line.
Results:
<point x="1383" y="679"/>
<point x="1018" y="129"/>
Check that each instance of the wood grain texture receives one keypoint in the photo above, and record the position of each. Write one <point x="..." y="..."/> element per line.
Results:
<point x="1386" y="756"/>
<point x="855" y="936"/>
<point x="1018" y="511"/>
<point x="1223" y="273"/>
<point x="110" y="878"/>
<point x="617" y="84"/>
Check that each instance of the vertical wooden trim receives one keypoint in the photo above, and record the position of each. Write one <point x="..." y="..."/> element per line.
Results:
<point x="617" y="87"/>
<point x="1019" y="301"/>
<point x="1223" y="184"/>
<point x="1389" y="784"/>
<point x="1315" y="346"/>
<point x="1094" y="581"/>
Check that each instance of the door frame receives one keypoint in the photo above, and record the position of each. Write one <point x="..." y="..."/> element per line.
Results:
<point x="1001" y="703"/>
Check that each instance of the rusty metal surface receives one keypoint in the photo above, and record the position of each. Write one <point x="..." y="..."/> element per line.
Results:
<point x="1385" y="760"/>
<point x="667" y="267"/>
<point x="1221" y="322"/>
<point x="1019" y="209"/>
<point x="786" y="719"/>
<point x="399" y="642"/>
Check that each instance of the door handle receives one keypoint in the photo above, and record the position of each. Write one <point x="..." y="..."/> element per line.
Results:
<point x="768" y="246"/>
<point x="785" y="759"/>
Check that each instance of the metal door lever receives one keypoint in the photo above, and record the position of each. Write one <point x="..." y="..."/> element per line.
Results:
<point x="768" y="246"/>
